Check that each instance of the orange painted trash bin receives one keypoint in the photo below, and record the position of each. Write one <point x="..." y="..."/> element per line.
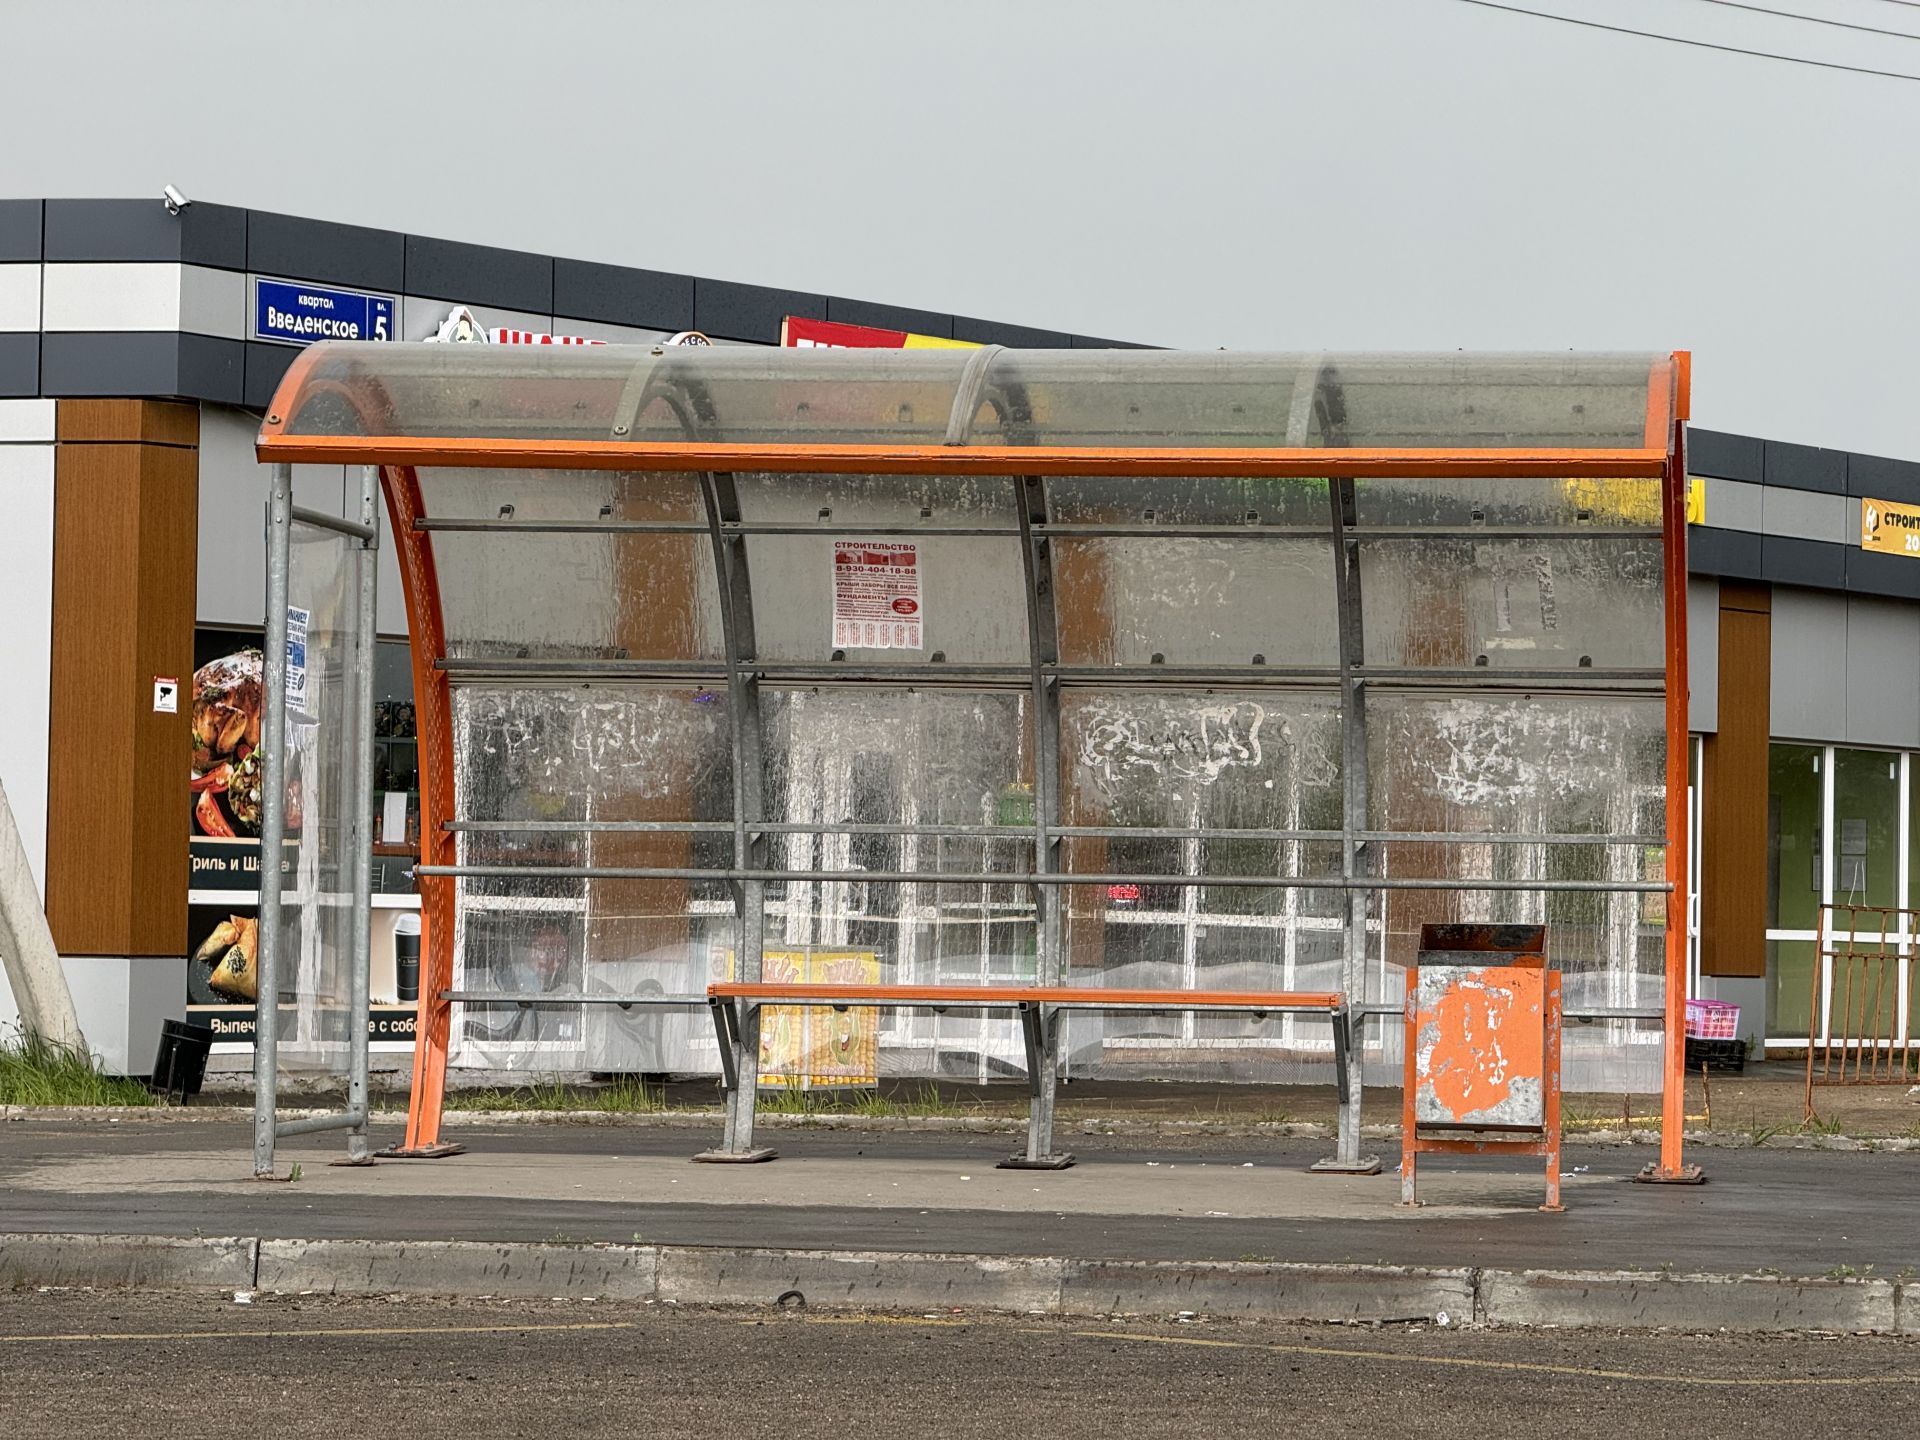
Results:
<point x="1482" y="1050"/>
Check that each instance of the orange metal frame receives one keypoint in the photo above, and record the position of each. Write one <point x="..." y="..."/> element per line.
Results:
<point x="1399" y="462"/>
<point x="433" y="724"/>
<point x="1660" y="455"/>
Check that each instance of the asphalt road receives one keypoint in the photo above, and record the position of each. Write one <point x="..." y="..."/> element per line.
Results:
<point x="1799" y="1212"/>
<point x="80" y="1365"/>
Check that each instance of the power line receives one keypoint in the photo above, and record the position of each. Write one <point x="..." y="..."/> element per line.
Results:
<point x="1696" y="44"/>
<point x="1818" y="19"/>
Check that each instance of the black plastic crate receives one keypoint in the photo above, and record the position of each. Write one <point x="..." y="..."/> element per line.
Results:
<point x="1726" y="1056"/>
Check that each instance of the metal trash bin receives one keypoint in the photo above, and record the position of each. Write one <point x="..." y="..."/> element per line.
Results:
<point x="180" y="1064"/>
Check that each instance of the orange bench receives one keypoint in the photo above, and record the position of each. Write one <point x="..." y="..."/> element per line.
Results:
<point x="1038" y="1007"/>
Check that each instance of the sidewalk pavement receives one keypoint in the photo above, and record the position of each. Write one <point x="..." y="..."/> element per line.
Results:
<point x="1194" y="1197"/>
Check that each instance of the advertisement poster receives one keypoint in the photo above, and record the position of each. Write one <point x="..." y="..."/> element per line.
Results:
<point x="876" y="594"/>
<point x="808" y="1047"/>
<point x="223" y="938"/>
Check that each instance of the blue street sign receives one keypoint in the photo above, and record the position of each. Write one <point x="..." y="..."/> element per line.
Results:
<point x="301" y="314"/>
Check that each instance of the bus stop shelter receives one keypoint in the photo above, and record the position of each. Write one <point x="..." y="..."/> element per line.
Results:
<point x="1136" y="671"/>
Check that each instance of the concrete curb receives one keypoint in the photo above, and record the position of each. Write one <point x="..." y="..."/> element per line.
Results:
<point x="453" y="1267"/>
<point x="887" y="1280"/>
<point x="1628" y="1300"/>
<point x="107" y="1262"/>
<point x="922" y="1124"/>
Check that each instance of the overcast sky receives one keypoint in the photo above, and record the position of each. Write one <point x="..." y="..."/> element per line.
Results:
<point x="1329" y="174"/>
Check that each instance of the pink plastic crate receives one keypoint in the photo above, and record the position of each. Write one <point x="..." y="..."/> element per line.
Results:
<point x="1712" y="1020"/>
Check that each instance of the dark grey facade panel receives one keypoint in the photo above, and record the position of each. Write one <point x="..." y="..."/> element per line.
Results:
<point x="143" y="231"/>
<point x="1018" y="337"/>
<point x="1813" y="564"/>
<point x="1883" y="479"/>
<point x="888" y="317"/>
<point x="479" y="275"/>
<point x="1727" y="457"/>
<point x="19" y="365"/>
<point x="1870" y="572"/>
<point x="212" y="369"/>
<point x="1729" y="554"/>
<point x="1806" y="467"/>
<point x="261" y="371"/>
<point x="732" y="311"/>
<point x="1088" y="342"/>
<point x="160" y="364"/>
<point x="351" y="255"/>
<point x="615" y="295"/>
<point x="20" y="222"/>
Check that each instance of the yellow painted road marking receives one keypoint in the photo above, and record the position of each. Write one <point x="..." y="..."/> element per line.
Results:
<point x="364" y="1331"/>
<point x="1511" y="1366"/>
<point x="1331" y="1352"/>
<point x="1323" y="1352"/>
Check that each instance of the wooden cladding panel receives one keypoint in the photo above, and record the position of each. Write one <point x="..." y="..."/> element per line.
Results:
<point x="1733" y="863"/>
<point x="135" y="422"/>
<point x="125" y="542"/>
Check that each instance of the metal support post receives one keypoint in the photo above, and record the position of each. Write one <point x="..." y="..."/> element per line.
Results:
<point x="1043" y="1031"/>
<point x="741" y="1064"/>
<point x="360" y="852"/>
<point x="273" y="820"/>
<point x="1355" y="853"/>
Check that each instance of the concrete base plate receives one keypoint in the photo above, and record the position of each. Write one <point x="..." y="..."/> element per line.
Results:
<point x="1685" y="1175"/>
<point x="1365" y="1165"/>
<point x="438" y="1151"/>
<point x="734" y="1157"/>
<point x="1045" y="1162"/>
<point x="353" y="1164"/>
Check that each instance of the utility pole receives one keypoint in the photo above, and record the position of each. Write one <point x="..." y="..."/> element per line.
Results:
<point x="32" y="963"/>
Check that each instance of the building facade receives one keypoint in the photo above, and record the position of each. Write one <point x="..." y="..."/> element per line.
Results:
<point x="139" y="348"/>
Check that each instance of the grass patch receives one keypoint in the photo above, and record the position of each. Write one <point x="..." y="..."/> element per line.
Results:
<point x="625" y="1095"/>
<point x="35" y="1071"/>
<point x="921" y="1099"/>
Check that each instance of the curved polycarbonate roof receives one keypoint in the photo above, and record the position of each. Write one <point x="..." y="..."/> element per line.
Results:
<point x="1070" y="399"/>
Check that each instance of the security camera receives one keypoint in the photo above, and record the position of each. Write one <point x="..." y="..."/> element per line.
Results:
<point x="176" y="202"/>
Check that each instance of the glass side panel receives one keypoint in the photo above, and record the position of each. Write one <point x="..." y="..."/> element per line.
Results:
<point x="911" y="502"/>
<point x="1192" y="759"/>
<point x="895" y="599"/>
<point x="574" y="758"/>
<point x="598" y="752"/>
<point x="1167" y="500"/>
<point x="922" y="761"/>
<point x="1514" y="767"/>
<point x="1476" y="500"/>
<point x="1195" y="602"/>
<point x="1505" y="604"/>
<point x="879" y="580"/>
<point x="315" y="947"/>
<point x="592" y="594"/>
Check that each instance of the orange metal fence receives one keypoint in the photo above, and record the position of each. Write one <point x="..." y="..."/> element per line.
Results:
<point x="1861" y="1016"/>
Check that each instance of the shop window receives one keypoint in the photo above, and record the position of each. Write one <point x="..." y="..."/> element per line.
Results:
<point x="1866" y="818"/>
<point x="1790" y="989"/>
<point x="1793" y="836"/>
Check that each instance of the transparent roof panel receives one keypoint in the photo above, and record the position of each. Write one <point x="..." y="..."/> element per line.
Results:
<point x="1093" y="398"/>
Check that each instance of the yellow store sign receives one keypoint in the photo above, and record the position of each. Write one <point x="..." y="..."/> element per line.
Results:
<point x="1889" y="527"/>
